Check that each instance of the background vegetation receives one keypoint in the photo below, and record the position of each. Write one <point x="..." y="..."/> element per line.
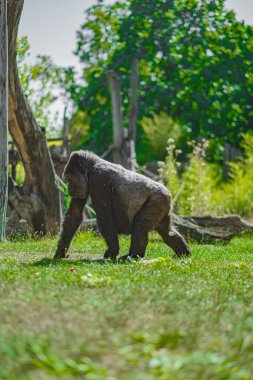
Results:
<point x="196" y="81"/>
<point x="199" y="187"/>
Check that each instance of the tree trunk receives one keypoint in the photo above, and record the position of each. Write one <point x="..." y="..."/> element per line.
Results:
<point x="118" y="131"/>
<point x="124" y="139"/>
<point x="121" y="145"/>
<point x="3" y="117"/>
<point x="31" y="143"/>
<point x="133" y="110"/>
<point x="28" y="207"/>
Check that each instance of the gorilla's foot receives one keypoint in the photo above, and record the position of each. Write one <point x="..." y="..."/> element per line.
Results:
<point x="59" y="254"/>
<point x="125" y="257"/>
<point x="130" y="257"/>
<point x="182" y="254"/>
<point x="110" y="255"/>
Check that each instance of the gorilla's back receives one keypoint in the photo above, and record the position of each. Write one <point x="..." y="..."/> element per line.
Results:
<point x="129" y="192"/>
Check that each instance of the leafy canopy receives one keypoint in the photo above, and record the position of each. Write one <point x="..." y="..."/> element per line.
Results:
<point x="194" y="60"/>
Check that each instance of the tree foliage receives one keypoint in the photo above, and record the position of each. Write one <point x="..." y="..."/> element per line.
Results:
<point x="42" y="83"/>
<point x="195" y="65"/>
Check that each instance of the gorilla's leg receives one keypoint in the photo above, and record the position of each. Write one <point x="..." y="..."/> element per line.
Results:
<point x="173" y="238"/>
<point x="108" y="230"/>
<point x="144" y="222"/>
<point x="72" y="220"/>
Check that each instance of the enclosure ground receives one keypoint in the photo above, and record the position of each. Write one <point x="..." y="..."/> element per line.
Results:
<point x="159" y="318"/>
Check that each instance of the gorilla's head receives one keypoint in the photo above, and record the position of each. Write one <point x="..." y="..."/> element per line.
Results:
<point x="76" y="175"/>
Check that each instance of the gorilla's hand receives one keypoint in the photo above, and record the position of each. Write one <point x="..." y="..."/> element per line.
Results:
<point x="60" y="253"/>
<point x="110" y="255"/>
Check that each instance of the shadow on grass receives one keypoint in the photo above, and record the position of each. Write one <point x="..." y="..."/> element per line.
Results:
<point x="45" y="262"/>
<point x="122" y="260"/>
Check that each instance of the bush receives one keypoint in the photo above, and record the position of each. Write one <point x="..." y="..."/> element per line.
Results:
<point x="169" y="169"/>
<point x="200" y="189"/>
<point x="199" y="183"/>
<point x="193" y="190"/>
<point x="157" y="131"/>
<point x="238" y="191"/>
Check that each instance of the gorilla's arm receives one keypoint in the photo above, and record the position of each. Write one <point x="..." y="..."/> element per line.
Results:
<point x="72" y="220"/>
<point x="102" y="203"/>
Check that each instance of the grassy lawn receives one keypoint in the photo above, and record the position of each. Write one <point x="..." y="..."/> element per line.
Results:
<point x="159" y="318"/>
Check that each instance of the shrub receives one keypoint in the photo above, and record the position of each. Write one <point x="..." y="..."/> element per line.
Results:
<point x="238" y="191"/>
<point x="157" y="130"/>
<point x="200" y="190"/>
<point x="168" y="170"/>
<point x="199" y="182"/>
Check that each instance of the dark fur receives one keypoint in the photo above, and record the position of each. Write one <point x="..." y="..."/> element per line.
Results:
<point x="125" y="203"/>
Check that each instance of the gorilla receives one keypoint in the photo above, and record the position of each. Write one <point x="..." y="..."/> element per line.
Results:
<point x="125" y="203"/>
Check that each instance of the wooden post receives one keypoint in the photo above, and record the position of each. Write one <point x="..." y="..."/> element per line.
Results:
<point x="134" y="99"/>
<point x="133" y="111"/>
<point x="65" y="133"/>
<point x="118" y="132"/>
<point x="3" y="117"/>
<point x="124" y="143"/>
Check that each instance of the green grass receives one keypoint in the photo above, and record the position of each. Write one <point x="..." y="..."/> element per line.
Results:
<point x="158" y="318"/>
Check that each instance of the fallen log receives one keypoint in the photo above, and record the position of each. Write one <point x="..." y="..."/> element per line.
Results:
<point x="210" y="228"/>
<point x="203" y="229"/>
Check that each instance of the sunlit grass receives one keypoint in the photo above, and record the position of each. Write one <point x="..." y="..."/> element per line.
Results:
<point x="159" y="318"/>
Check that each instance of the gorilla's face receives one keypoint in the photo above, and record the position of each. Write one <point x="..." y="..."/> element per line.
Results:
<point x="77" y="184"/>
